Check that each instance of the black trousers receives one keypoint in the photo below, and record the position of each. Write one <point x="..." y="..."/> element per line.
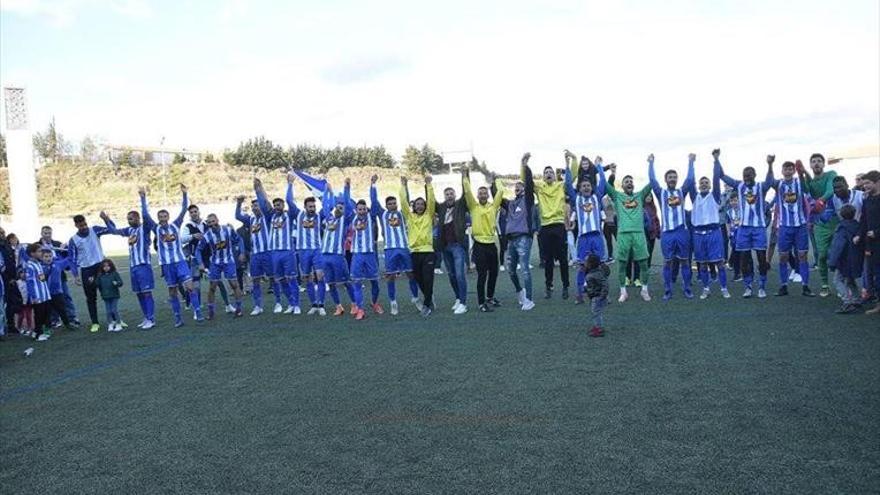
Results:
<point x="89" y="277"/>
<point x="58" y="306"/>
<point x="555" y="248"/>
<point x="486" y="259"/>
<point x="41" y="316"/>
<point x="502" y="252"/>
<point x="610" y="232"/>
<point x="423" y="272"/>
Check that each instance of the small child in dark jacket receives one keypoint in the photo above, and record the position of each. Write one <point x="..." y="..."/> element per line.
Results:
<point x="108" y="283"/>
<point x="597" y="291"/>
<point x="846" y="260"/>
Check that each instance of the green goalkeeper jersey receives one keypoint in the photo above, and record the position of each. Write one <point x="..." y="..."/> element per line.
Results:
<point x="630" y="208"/>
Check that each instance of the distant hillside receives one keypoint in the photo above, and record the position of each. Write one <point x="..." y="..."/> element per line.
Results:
<point x="65" y="189"/>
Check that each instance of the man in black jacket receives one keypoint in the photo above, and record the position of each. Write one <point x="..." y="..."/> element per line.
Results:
<point x="451" y="213"/>
<point x="519" y="229"/>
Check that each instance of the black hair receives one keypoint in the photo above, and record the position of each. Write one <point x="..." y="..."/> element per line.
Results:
<point x="670" y="171"/>
<point x="33" y="248"/>
<point x="390" y="198"/>
<point x="749" y="168"/>
<point x="872" y="176"/>
<point x="548" y="166"/>
<point x="848" y="212"/>
<point x="627" y="177"/>
<point x="839" y="179"/>
<point x="78" y="218"/>
<point x="591" y="262"/>
<point x="817" y="155"/>
<point x="361" y="202"/>
<point x="108" y="261"/>
<point x="134" y="212"/>
<point x="192" y="206"/>
<point x="310" y="199"/>
<point x="162" y="211"/>
<point x="276" y="200"/>
<point x="47" y="227"/>
<point x="788" y="164"/>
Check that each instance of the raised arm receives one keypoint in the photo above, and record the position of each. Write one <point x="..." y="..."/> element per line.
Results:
<point x="526" y="173"/>
<point x="346" y="197"/>
<point x="689" y="179"/>
<point x="570" y="190"/>
<point x="111" y="227"/>
<point x="430" y="203"/>
<point x="292" y="210"/>
<point x="716" y="177"/>
<point x="149" y="223"/>
<point x="652" y="178"/>
<point x="262" y="201"/>
<point x="404" y="198"/>
<point x="375" y="208"/>
<point x="770" y="180"/>
<point x="241" y="217"/>
<point x="184" y="204"/>
<point x="730" y="181"/>
<point x="498" y="195"/>
<point x="466" y="190"/>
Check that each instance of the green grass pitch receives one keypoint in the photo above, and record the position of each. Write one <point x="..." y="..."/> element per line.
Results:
<point x="738" y="396"/>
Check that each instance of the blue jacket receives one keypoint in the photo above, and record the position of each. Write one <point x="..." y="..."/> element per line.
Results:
<point x="844" y="256"/>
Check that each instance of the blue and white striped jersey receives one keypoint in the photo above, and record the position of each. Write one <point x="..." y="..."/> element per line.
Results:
<point x="335" y="228"/>
<point x="855" y="198"/>
<point x="308" y="231"/>
<point x="37" y="285"/>
<point x="138" y="241"/>
<point x="258" y="227"/>
<point x="791" y="202"/>
<point x="168" y="237"/>
<point x="589" y="213"/>
<point x="671" y="201"/>
<point x="280" y="223"/>
<point x="222" y="242"/>
<point x="751" y="199"/>
<point x="363" y="240"/>
<point x="392" y="223"/>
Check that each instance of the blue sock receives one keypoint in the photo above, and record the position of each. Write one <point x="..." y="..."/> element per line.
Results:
<point x="293" y="291"/>
<point x="374" y="291"/>
<point x="687" y="275"/>
<point x="413" y="288"/>
<point x="581" y="279"/>
<point x="334" y="294"/>
<point x="257" y="294"/>
<point x="350" y="289"/>
<point x="747" y="279"/>
<point x="285" y="288"/>
<point x="392" y="290"/>
<point x="175" y="307"/>
<point x="804" y="269"/>
<point x="358" y="295"/>
<point x="310" y="291"/>
<point x="783" y="273"/>
<point x="704" y="276"/>
<point x="195" y="300"/>
<point x="722" y="275"/>
<point x="210" y="308"/>
<point x="277" y="291"/>
<point x="238" y="304"/>
<point x="322" y="291"/>
<point x="141" y="303"/>
<point x="762" y="281"/>
<point x="667" y="278"/>
<point x="149" y="306"/>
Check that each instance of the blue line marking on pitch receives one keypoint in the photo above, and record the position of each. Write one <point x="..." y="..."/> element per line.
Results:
<point x="88" y="370"/>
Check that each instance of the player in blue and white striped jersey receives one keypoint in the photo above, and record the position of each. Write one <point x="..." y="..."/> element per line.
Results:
<point x="363" y="249"/>
<point x="308" y="249"/>
<point x="675" y="239"/>
<point x="172" y="262"/>
<point x="38" y="293"/>
<point x="222" y="242"/>
<point x="791" y="204"/>
<point x="588" y="213"/>
<point x="752" y="232"/>
<point x="708" y="241"/>
<point x="398" y="259"/>
<point x="336" y="215"/>
<point x="282" y="241"/>
<point x="260" y="263"/>
<point x="139" y="261"/>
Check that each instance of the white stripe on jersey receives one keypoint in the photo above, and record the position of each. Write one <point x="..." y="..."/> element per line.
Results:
<point x="334" y="235"/>
<point x="589" y="213"/>
<point x="394" y="230"/>
<point x="281" y="235"/>
<point x="672" y="208"/>
<point x="38" y="287"/>
<point x="790" y="199"/>
<point x="751" y="205"/>
<point x="138" y="245"/>
<point x="855" y="198"/>
<point x="362" y="241"/>
<point x="308" y="231"/>
<point x="169" y="244"/>
<point x="259" y="234"/>
<point x="221" y="244"/>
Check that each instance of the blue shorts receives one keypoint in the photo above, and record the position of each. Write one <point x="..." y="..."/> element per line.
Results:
<point x="283" y="264"/>
<point x="751" y="238"/>
<point x="308" y="260"/>
<point x="708" y="245"/>
<point x="364" y="266"/>
<point x="590" y="243"/>
<point x="334" y="267"/>
<point x="217" y="271"/>
<point x="398" y="261"/>
<point x="261" y="264"/>
<point x="676" y="243"/>
<point x="194" y="269"/>
<point x="142" y="279"/>
<point x="796" y="237"/>
<point x="176" y="273"/>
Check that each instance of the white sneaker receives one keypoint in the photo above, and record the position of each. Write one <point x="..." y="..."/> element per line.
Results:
<point x="289" y="310"/>
<point x="456" y="305"/>
<point x="297" y="310"/>
<point x="141" y="324"/>
<point x="796" y="278"/>
<point x="148" y="325"/>
<point x="278" y="308"/>
<point x="43" y="337"/>
<point x="313" y="311"/>
<point x="705" y="293"/>
<point x="501" y="268"/>
<point x="528" y="305"/>
<point x="645" y="295"/>
<point x="230" y="308"/>
<point x="322" y="312"/>
<point x="122" y="324"/>
<point x="417" y="302"/>
<point x="762" y="293"/>
<point x="460" y="310"/>
<point x="791" y="276"/>
<point x="521" y="296"/>
<point x="438" y="271"/>
<point x="725" y="293"/>
<point x="747" y="293"/>
<point x="256" y="311"/>
<point x="623" y="296"/>
<point x="394" y="309"/>
<point x="111" y="327"/>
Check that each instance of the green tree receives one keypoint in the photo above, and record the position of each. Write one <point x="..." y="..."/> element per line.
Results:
<point x="179" y="158"/>
<point x="88" y="150"/>
<point x="51" y="145"/>
<point x="258" y="152"/>
<point x="4" y="162"/>
<point x="422" y="160"/>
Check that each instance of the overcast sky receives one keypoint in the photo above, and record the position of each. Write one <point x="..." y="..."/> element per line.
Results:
<point x="617" y="78"/>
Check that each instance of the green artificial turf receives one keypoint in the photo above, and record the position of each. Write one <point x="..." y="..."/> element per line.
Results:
<point x="718" y="396"/>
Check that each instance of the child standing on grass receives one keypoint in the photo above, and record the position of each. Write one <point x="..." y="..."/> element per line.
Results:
<point x="109" y="283"/>
<point x="24" y="318"/>
<point x="846" y="260"/>
<point x="597" y="291"/>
